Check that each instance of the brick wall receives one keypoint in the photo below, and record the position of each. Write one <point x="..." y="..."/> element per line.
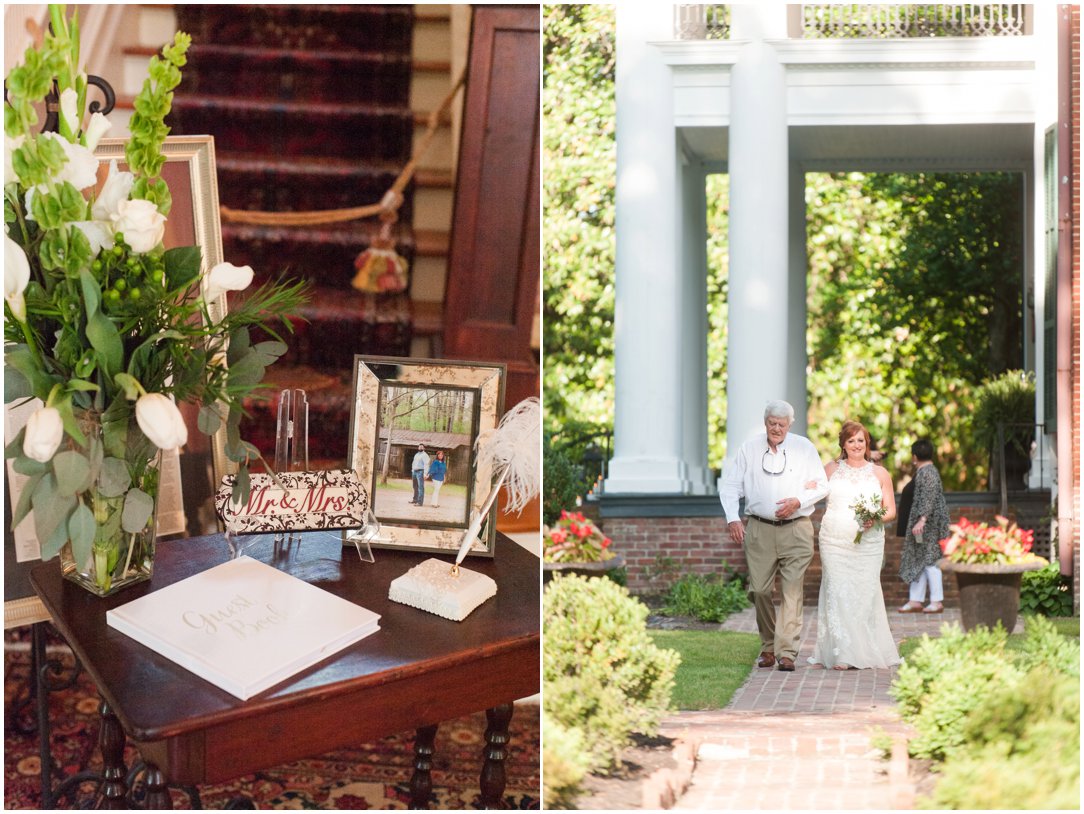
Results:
<point x="659" y="550"/>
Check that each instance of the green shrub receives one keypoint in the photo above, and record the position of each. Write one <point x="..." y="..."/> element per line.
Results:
<point x="1044" y="592"/>
<point x="709" y="599"/>
<point x="1023" y="749"/>
<point x="601" y="672"/>
<point x="562" y="482"/>
<point x="566" y="762"/>
<point x="944" y="679"/>
<point x="1007" y="401"/>
<point x="1047" y="649"/>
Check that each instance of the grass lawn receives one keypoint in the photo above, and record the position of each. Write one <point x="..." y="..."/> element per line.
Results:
<point x="1065" y="625"/>
<point x="713" y="664"/>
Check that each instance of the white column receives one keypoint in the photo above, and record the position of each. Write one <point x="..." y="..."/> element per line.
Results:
<point x="796" y="391"/>
<point x="761" y="323"/>
<point x="694" y="326"/>
<point x="648" y="370"/>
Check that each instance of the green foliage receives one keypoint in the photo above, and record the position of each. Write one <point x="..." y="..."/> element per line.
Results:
<point x="709" y="599"/>
<point x="1023" y="749"/>
<point x="564" y="754"/>
<point x="1044" y="592"/>
<point x="601" y="673"/>
<point x="579" y="57"/>
<point x="562" y="482"/>
<point x="1007" y="401"/>
<point x="714" y="664"/>
<point x="944" y="682"/>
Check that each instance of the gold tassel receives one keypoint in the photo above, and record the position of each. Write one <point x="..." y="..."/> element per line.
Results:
<point x="380" y="269"/>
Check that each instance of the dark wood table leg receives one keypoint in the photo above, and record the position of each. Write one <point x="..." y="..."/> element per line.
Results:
<point x="421" y="782"/>
<point x="111" y="740"/>
<point x="492" y="780"/>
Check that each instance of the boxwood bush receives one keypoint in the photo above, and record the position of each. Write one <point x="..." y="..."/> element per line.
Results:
<point x="602" y="675"/>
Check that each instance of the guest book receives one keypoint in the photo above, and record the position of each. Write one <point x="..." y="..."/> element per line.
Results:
<point x="243" y="625"/>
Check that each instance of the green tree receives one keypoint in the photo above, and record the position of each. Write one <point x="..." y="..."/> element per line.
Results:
<point x="579" y="56"/>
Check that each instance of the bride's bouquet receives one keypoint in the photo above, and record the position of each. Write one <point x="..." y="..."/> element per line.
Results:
<point x="867" y="508"/>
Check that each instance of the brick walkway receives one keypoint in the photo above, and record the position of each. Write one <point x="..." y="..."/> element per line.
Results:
<point x="801" y="740"/>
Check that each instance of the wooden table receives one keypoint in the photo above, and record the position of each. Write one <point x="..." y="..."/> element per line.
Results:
<point x="417" y="670"/>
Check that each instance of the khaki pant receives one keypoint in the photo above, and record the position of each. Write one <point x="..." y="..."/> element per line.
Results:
<point x="786" y="551"/>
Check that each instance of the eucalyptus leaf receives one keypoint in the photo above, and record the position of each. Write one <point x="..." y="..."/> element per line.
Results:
<point x="240" y="346"/>
<point x="55" y="541"/>
<point x="50" y="507"/>
<point x="22" y="508"/>
<point x="113" y="480"/>
<point x="270" y="351"/>
<point x="138" y="507"/>
<point x="72" y="472"/>
<point x="15" y="446"/>
<point x="16" y="386"/>
<point x="209" y="420"/>
<point x="28" y="466"/>
<point x="81" y="531"/>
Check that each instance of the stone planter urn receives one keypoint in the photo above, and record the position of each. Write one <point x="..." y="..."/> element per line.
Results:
<point x="585" y="569"/>
<point x="989" y="593"/>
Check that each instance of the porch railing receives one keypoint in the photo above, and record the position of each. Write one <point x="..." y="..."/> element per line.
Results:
<point x="867" y="21"/>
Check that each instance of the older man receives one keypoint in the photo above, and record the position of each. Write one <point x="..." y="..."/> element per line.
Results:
<point x="419" y="468"/>
<point x="781" y="477"/>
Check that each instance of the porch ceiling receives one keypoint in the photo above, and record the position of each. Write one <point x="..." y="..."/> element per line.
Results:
<point x="955" y="147"/>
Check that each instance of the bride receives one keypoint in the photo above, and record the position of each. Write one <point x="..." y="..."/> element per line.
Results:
<point x="852" y="625"/>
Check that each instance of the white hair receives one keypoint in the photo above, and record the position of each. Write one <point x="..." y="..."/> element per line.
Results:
<point x="779" y="409"/>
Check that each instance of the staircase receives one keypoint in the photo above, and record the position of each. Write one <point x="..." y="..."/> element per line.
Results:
<point x="316" y="108"/>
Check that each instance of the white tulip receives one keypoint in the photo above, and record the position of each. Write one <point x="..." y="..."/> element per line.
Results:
<point x="97" y="127"/>
<point x="10" y="146"/>
<point x="16" y="277"/>
<point x="69" y="109"/>
<point x="161" y="421"/>
<point x="98" y="234"/>
<point x="226" y="277"/>
<point x="142" y="225"/>
<point x="44" y="432"/>
<point x="117" y="188"/>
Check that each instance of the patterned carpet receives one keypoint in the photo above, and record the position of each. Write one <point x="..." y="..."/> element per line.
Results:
<point x="369" y="776"/>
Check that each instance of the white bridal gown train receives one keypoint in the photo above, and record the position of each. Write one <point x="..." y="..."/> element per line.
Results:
<point x="852" y="625"/>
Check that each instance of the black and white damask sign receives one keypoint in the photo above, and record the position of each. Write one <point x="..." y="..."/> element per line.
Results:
<point x="310" y="501"/>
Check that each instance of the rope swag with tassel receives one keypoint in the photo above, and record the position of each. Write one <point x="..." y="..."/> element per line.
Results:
<point x="380" y="269"/>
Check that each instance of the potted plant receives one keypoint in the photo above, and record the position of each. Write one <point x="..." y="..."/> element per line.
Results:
<point x="988" y="561"/>
<point x="1004" y="423"/>
<point x="574" y="544"/>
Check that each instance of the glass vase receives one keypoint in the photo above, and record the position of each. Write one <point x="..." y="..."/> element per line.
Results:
<point x="117" y="558"/>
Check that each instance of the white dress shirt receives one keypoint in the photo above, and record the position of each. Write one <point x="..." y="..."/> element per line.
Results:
<point x="748" y="475"/>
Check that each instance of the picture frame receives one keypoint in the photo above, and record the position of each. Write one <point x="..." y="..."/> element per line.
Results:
<point x="401" y="404"/>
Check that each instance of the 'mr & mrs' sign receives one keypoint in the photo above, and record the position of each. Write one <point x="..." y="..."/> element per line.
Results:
<point x="334" y="499"/>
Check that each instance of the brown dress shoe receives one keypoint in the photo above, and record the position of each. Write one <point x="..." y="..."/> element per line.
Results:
<point x="766" y="660"/>
<point x="786" y="665"/>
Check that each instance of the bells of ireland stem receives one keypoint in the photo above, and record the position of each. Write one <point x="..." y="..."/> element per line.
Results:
<point x="161" y="421"/>
<point x="44" y="432"/>
<point x="16" y="277"/>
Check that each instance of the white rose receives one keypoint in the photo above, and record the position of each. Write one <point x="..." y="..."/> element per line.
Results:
<point x="98" y="234"/>
<point x="142" y="225"/>
<point x="81" y="168"/>
<point x="44" y="432"/>
<point x="10" y="146"/>
<point x="117" y="188"/>
<point x="226" y="277"/>
<point x="69" y="109"/>
<point x="16" y="277"/>
<point x="97" y="127"/>
<point x="161" y="421"/>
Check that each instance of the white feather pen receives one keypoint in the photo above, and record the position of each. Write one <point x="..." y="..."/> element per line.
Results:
<point x="513" y="451"/>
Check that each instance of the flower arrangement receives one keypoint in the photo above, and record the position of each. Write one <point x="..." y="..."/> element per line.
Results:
<point x="982" y="544"/>
<point x="867" y="508"/>
<point x="575" y="538"/>
<point x="103" y="324"/>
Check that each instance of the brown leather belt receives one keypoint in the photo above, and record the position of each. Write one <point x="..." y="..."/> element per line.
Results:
<point x="777" y="522"/>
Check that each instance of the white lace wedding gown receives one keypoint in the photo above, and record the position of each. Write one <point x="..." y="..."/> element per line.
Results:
<point x="852" y="625"/>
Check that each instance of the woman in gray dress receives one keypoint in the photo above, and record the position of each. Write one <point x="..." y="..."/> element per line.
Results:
<point x="927" y="526"/>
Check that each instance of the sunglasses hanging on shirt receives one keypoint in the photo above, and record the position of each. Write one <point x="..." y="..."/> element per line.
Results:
<point x="773" y="472"/>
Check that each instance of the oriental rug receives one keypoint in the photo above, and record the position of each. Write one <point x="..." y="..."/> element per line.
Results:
<point x="366" y="776"/>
